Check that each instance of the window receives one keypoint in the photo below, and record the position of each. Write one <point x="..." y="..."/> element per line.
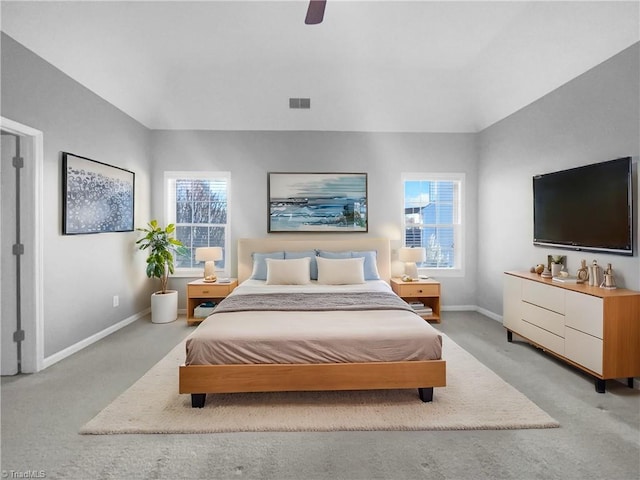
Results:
<point x="432" y="218"/>
<point x="198" y="204"/>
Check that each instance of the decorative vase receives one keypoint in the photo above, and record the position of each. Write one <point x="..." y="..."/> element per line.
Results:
<point x="164" y="306"/>
<point x="555" y="269"/>
<point x="608" y="281"/>
<point x="583" y="272"/>
<point x="595" y="274"/>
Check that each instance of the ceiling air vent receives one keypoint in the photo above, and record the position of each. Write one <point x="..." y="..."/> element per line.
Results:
<point x="300" y="103"/>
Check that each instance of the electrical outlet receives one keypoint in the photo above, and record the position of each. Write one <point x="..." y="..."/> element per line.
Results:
<point x="116" y="300"/>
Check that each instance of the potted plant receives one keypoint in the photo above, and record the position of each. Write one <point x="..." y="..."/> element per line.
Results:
<point x="557" y="262"/>
<point x="161" y="246"/>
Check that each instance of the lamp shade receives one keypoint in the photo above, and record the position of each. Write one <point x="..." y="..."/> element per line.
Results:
<point x="412" y="254"/>
<point x="207" y="254"/>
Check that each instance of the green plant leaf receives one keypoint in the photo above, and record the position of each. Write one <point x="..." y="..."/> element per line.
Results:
<point x="162" y="246"/>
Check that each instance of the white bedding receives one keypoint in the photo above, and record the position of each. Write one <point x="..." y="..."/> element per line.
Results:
<point x="286" y="337"/>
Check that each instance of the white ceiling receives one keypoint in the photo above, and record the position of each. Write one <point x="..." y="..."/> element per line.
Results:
<point x="416" y="66"/>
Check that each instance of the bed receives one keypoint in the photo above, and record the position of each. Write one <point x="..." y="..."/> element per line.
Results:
<point x="315" y="335"/>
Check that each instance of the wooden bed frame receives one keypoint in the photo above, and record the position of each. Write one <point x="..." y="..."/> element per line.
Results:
<point x="198" y="380"/>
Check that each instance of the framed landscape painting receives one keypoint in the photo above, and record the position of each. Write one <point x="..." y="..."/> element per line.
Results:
<point x="96" y="197"/>
<point x="317" y="202"/>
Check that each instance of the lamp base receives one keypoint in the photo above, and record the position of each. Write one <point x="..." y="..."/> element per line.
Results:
<point x="210" y="271"/>
<point x="411" y="269"/>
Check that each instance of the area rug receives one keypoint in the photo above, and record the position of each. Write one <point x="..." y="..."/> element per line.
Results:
<point x="475" y="398"/>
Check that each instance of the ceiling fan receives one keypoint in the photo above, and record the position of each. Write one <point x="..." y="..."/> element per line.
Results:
<point x="315" y="12"/>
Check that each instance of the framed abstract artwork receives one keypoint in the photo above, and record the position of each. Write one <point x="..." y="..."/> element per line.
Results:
<point x="317" y="202"/>
<point x="96" y="197"/>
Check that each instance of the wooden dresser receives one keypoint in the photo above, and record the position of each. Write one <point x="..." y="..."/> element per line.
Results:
<point x="593" y="329"/>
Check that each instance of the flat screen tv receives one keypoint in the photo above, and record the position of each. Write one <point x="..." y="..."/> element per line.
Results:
<point x="585" y="208"/>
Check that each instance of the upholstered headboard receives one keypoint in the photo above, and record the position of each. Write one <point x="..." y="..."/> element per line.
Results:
<point x="247" y="246"/>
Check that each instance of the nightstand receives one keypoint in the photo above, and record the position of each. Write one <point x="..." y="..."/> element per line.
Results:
<point x="200" y="291"/>
<point x="426" y="292"/>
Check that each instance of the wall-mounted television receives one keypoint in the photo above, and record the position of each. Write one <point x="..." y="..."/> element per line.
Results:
<point x="585" y="208"/>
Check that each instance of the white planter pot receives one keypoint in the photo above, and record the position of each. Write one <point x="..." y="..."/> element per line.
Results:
<point x="164" y="306"/>
<point x="555" y="269"/>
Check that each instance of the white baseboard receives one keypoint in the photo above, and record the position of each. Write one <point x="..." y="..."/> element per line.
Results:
<point x="472" y="308"/>
<point x="490" y="314"/>
<point x="459" y="308"/>
<point x="62" y="354"/>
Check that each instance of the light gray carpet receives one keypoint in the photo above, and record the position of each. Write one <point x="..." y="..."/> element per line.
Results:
<point x="599" y="436"/>
<point x="475" y="398"/>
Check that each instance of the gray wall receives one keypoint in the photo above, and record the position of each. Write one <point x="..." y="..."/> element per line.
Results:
<point x="595" y="117"/>
<point x="82" y="272"/>
<point x="591" y="119"/>
<point x="383" y="156"/>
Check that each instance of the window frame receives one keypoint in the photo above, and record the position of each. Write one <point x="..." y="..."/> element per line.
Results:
<point x="458" y="270"/>
<point x="170" y="215"/>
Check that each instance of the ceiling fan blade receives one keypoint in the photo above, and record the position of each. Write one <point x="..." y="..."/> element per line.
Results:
<point x="315" y="12"/>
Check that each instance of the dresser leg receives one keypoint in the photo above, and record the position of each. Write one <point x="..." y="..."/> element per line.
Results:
<point x="197" y="400"/>
<point x="630" y="382"/>
<point x="509" y="336"/>
<point x="601" y="385"/>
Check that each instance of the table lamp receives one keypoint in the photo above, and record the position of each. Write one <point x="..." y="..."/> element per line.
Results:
<point x="410" y="256"/>
<point x="209" y="255"/>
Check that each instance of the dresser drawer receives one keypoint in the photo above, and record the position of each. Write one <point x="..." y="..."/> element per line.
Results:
<point x="209" y="290"/>
<point x="542" y="337"/>
<point x="418" y="290"/>
<point x="545" y="296"/>
<point x="585" y="350"/>
<point x="545" y="319"/>
<point x="584" y="313"/>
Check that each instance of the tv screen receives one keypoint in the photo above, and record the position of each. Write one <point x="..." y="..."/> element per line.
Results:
<point x="585" y="208"/>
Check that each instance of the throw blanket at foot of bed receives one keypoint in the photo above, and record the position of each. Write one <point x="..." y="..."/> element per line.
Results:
<point x="317" y="302"/>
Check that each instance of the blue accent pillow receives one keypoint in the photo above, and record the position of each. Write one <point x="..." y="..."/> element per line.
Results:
<point x="313" y="264"/>
<point x="260" y="265"/>
<point x="370" y="264"/>
<point x="325" y="254"/>
<point x="370" y="261"/>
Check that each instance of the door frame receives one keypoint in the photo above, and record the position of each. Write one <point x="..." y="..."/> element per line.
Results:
<point x="33" y="278"/>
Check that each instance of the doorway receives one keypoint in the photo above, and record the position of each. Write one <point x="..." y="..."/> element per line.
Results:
<point x="21" y="285"/>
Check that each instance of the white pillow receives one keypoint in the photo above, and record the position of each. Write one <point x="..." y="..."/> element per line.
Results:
<point x="340" y="271"/>
<point x="295" y="271"/>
